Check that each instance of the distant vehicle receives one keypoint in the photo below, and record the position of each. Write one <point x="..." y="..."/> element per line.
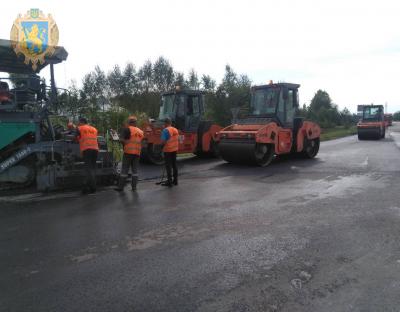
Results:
<point x="372" y="124"/>
<point x="272" y="128"/>
<point x="389" y="120"/>
<point x="186" y="108"/>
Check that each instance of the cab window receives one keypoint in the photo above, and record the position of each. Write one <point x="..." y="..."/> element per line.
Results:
<point x="193" y="106"/>
<point x="181" y="107"/>
<point x="281" y="107"/>
<point x="290" y="106"/>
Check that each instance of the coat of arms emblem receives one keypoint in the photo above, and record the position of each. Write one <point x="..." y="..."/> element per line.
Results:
<point x="34" y="35"/>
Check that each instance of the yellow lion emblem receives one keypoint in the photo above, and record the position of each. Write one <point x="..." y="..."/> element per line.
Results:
<point x="35" y="36"/>
<point x="33" y="39"/>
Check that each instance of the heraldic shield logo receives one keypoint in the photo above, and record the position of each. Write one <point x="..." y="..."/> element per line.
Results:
<point x="35" y="36"/>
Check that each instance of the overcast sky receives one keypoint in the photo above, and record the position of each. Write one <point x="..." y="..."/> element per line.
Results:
<point x="351" y="49"/>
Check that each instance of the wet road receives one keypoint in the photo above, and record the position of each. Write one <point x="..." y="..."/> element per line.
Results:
<point x="300" y="235"/>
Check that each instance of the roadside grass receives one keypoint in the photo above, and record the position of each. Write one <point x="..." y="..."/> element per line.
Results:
<point x="337" y="132"/>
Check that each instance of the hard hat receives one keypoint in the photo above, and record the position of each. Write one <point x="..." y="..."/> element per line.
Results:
<point x="132" y="118"/>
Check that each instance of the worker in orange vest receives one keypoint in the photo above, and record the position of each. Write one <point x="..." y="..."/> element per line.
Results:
<point x="132" y="138"/>
<point x="87" y="137"/>
<point x="169" y="137"/>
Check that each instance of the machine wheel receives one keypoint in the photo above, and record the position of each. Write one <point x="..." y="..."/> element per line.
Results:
<point x="383" y="134"/>
<point x="311" y="148"/>
<point x="264" y="154"/>
<point x="213" y="152"/>
<point x="19" y="176"/>
<point x="153" y="155"/>
<point x="361" y="137"/>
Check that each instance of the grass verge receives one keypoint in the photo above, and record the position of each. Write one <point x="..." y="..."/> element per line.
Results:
<point x="337" y="132"/>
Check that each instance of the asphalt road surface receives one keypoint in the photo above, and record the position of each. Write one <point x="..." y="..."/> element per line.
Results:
<point x="299" y="235"/>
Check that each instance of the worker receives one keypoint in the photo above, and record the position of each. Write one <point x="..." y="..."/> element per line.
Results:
<point x="131" y="139"/>
<point x="169" y="137"/>
<point x="87" y="137"/>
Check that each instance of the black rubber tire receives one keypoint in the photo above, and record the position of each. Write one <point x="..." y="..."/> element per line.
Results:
<point x="311" y="148"/>
<point x="214" y="150"/>
<point x="383" y="134"/>
<point x="264" y="158"/>
<point x="361" y="137"/>
<point x="212" y="153"/>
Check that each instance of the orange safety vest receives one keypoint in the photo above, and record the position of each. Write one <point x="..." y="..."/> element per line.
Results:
<point x="133" y="146"/>
<point x="172" y="144"/>
<point x="88" y="138"/>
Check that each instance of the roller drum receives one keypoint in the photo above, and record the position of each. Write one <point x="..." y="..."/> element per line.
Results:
<point x="246" y="152"/>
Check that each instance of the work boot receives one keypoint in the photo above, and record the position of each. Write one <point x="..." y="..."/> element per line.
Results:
<point x="175" y="182"/>
<point x="120" y="185"/>
<point x="167" y="183"/>
<point x="134" y="183"/>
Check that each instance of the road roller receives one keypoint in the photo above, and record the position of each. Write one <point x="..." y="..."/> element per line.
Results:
<point x="272" y="128"/>
<point x="372" y="125"/>
<point x="197" y="135"/>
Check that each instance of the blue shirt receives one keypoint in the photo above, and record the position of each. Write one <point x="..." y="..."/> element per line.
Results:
<point x="165" y="135"/>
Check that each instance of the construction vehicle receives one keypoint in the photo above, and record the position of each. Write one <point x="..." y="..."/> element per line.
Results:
<point x="271" y="129"/>
<point x="372" y="124"/>
<point x="186" y="108"/>
<point x="388" y="120"/>
<point x="33" y="149"/>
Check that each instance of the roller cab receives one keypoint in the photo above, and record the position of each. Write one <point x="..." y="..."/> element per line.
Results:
<point x="272" y="128"/>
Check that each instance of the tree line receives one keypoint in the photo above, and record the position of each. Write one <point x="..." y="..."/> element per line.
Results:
<point x="107" y="98"/>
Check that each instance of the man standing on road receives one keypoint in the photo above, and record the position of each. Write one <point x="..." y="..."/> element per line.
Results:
<point x="87" y="137"/>
<point x="169" y="137"/>
<point x="132" y="138"/>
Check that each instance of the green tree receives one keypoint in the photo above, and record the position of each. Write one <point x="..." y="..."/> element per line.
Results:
<point x="208" y="83"/>
<point x="193" y="80"/>
<point x="163" y="75"/>
<point x="323" y="111"/>
<point x="233" y="94"/>
<point x="321" y="100"/>
<point x="179" y="79"/>
<point x="145" y="76"/>
<point x="130" y="80"/>
<point x="346" y="117"/>
<point x="396" y="116"/>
